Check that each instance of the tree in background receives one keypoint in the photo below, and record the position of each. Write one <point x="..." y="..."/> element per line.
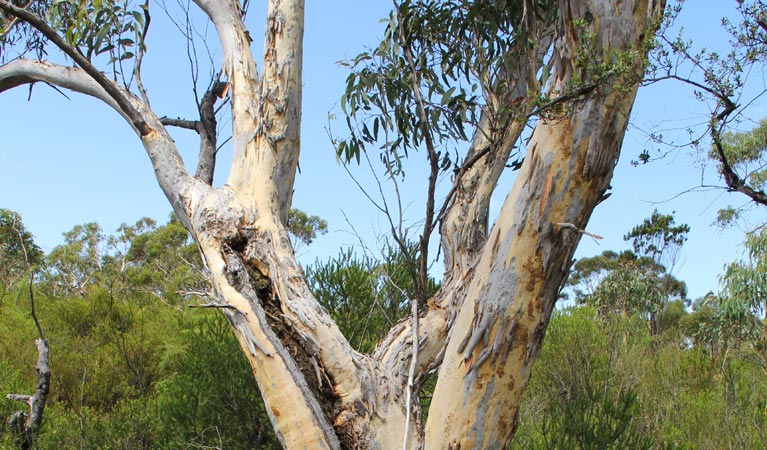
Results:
<point x="638" y="281"/>
<point x="18" y="250"/>
<point x="303" y="228"/>
<point x="364" y="296"/>
<point x="575" y="65"/>
<point x="740" y="306"/>
<point x="20" y="255"/>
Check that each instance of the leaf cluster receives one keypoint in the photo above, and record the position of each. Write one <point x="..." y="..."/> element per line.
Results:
<point x="110" y="28"/>
<point x="431" y="74"/>
<point x="18" y="251"/>
<point x="304" y="228"/>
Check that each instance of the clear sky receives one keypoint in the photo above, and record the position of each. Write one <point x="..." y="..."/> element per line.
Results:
<point x="67" y="161"/>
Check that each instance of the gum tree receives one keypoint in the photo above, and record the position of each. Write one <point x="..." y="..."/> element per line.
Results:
<point x="573" y="64"/>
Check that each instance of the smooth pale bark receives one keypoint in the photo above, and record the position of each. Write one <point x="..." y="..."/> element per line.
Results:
<point x="485" y="325"/>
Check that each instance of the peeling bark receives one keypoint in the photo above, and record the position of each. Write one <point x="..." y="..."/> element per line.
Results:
<point x="499" y="329"/>
<point x="465" y="223"/>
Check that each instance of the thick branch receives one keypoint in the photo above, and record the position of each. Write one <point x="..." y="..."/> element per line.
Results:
<point x="25" y="71"/>
<point x="465" y="213"/>
<point x="241" y="72"/>
<point x="733" y="180"/>
<point x="279" y="129"/>
<point x="120" y="98"/>
<point x="206" y="128"/>
<point x="168" y="165"/>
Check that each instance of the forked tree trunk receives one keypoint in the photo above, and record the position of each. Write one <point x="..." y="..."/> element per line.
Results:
<point x="485" y="327"/>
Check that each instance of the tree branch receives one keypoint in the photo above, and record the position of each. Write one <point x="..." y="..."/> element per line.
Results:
<point x="733" y="180"/>
<point x="122" y="100"/>
<point x="180" y="123"/>
<point x="25" y="71"/>
<point x="279" y="126"/>
<point x="465" y="211"/>
<point x="206" y="127"/>
<point x="169" y="167"/>
<point x="239" y="67"/>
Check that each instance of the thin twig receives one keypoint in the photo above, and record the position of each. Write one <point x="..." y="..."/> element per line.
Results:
<point x="140" y="54"/>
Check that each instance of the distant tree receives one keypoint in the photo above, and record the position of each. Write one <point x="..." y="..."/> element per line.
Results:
<point x="742" y="302"/>
<point x="303" y="228"/>
<point x="640" y="289"/>
<point x="71" y="267"/>
<point x="164" y="263"/>
<point x="18" y="250"/>
<point x="587" y="273"/>
<point x="658" y="239"/>
<point x="634" y="282"/>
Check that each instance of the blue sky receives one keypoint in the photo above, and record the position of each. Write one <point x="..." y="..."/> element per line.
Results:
<point x="71" y="161"/>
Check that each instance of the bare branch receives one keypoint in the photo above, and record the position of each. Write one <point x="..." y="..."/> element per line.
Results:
<point x="20" y="397"/>
<point x="733" y="180"/>
<point x="169" y="167"/>
<point x="24" y="71"/>
<point x="279" y="124"/>
<point x="239" y="67"/>
<point x="206" y="127"/>
<point x="180" y="123"/>
<point x="571" y="227"/>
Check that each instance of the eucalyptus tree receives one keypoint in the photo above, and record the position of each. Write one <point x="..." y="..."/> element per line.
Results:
<point x="574" y="65"/>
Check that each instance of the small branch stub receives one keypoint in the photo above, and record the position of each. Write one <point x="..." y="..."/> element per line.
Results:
<point x="571" y="227"/>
